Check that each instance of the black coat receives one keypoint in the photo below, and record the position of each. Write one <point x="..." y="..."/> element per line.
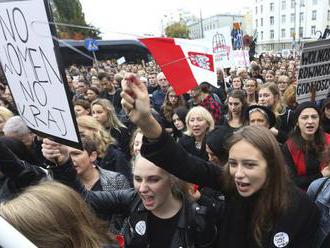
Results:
<point x="297" y="225"/>
<point x="188" y="143"/>
<point x="115" y="160"/>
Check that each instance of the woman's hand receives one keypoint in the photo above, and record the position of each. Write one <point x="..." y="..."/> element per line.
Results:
<point x="136" y="104"/>
<point x="55" y="152"/>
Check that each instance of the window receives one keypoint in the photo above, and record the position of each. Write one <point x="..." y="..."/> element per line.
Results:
<point x="262" y="35"/>
<point x="328" y="15"/>
<point x="261" y="9"/>
<point x="271" y="20"/>
<point x="261" y="22"/>
<point x="256" y="9"/>
<point x="301" y="16"/>
<point x="292" y="33"/>
<point x="271" y="34"/>
<point x="256" y="22"/>
<point x="314" y="2"/>
<point x="284" y="5"/>
<point x="314" y="15"/>
<point x="302" y="3"/>
<point x="271" y="7"/>
<point x="283" y="18"/>
<point x="292" y="17"/>
<point x="313" y="29"/>
<point x="293" y="4"/>
<point x="282" y="32"/>
<point x="301" y="32"/>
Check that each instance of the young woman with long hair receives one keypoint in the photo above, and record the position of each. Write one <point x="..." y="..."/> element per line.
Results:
<point x="237" y="106"/>
<point x="269" y="96"/>
<point x="104" y="112"/>
<point x="251" y="88"/>
<point x="262" y="207"/>
<point x="172" y="101"/>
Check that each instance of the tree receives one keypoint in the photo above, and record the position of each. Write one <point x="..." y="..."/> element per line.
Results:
<point x="177" y="30"/>
<point x="70" y="12"/>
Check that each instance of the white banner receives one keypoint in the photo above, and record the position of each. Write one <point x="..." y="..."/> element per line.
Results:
<point x="27" y="56"/>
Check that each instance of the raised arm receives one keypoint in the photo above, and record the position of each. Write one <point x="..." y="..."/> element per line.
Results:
<point x="158" y="146"/>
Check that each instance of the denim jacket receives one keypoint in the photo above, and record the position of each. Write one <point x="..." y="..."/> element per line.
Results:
<point x="323" y="202"/>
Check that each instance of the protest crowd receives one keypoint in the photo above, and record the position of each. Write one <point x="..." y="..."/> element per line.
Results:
<point x="238" y="165"/>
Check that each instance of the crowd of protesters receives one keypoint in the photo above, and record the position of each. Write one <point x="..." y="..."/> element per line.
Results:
<point x="225" y="166"/>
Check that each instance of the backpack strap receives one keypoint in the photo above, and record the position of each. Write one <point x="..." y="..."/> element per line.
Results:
<point x="320" y="188"/>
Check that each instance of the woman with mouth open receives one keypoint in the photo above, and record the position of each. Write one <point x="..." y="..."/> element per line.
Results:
<point x="159" y="210"/>
<point x="305" y="148"/>
<point x="199" y="123"/>
<point x="262" y="208"/>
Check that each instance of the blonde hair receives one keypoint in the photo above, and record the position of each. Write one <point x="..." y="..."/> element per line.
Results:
<point x="51" y="214"/>
<point x="100" y="135"/>
<point x="202" y="112"/>
<point x="5" y="113"/>
<point x="278" y="108"/>
<point x="112" y="121"/>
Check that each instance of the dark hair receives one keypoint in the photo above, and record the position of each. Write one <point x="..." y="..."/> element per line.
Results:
<point x="104" y="75"/>
<point x="96" y="91"/>
<point x="239" y="94"/>
<point x="324" y="105"/>
<point x="317" y="144"/>
<point x="89" y="145"/>
<point x="273" y="198"/>
<point x="83" y="103"/>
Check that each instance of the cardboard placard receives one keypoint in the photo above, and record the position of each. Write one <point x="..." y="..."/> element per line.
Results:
<point x="31" y="62"/>
<point x="314" y="71"/>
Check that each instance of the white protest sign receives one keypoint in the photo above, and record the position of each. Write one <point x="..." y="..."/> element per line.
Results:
<point x="220" y="41"/>
<point x="241" y="58"/>
<point x="314" y="71"/>
<point x="29" y="59"/>
<point x="121" y="61"/>
<point x="11" y="238"/>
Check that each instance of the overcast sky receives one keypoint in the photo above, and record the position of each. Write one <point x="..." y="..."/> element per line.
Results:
<point x="144" y="16"/>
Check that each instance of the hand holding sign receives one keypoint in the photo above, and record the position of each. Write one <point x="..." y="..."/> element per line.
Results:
<point x="55" y="152"/>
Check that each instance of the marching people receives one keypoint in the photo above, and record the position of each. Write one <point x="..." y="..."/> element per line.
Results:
<point x="155" y="205"/>
<point x="263" y="208"/>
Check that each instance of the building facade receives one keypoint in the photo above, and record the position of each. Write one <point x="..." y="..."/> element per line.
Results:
<point x="197" y="29"/>
<point x="287" y="24"/>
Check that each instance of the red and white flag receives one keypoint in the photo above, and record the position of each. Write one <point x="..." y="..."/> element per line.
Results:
<point x="185" y="63"/>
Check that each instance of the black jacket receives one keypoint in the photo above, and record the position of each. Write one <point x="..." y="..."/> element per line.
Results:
<point x="115" y="160"/>
<point x="188" y="143"/>
<point x="295" y="228"/>
<point x="195" y="227"/>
